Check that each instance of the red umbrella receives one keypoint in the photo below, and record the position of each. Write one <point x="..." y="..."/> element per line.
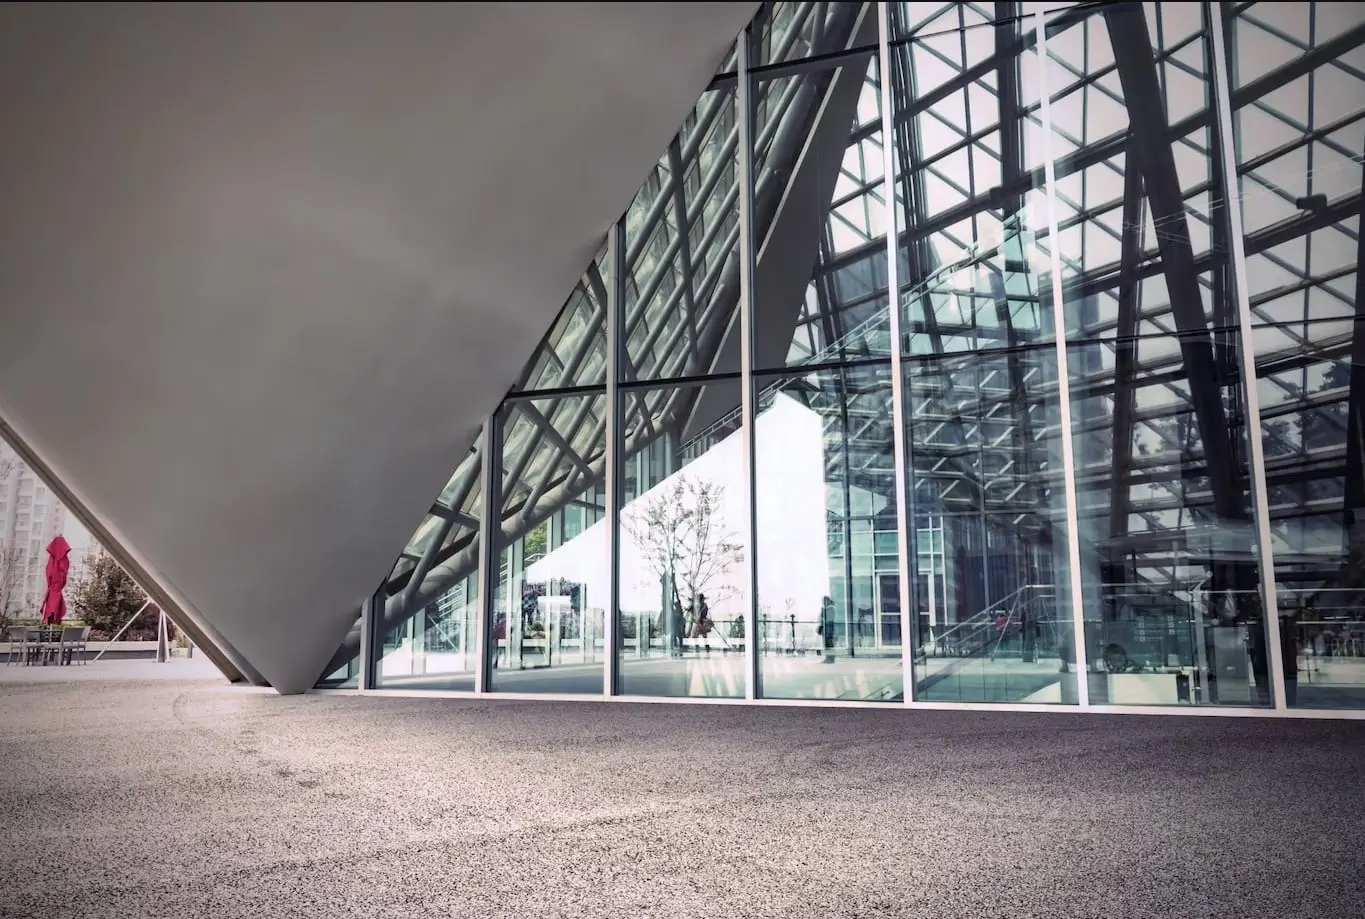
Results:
<point x="58" y="564"/>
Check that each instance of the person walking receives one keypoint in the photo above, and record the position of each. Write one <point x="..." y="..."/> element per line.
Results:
<point x="704" y="623"/>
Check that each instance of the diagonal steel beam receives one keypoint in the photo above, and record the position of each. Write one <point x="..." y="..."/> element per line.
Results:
<point x="432" y="550"/>
<point x="1126" y="353"/>
<point x="683" y="228"/>
<point x="1132" y="48"/>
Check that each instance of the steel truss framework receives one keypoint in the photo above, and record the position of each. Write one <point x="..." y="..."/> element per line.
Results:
<point x="1084" y="287"/>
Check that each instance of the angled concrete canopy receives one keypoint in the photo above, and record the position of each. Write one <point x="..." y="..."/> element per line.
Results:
<point x="264" y="267"/>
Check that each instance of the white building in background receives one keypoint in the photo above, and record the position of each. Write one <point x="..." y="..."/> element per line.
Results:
<point x="30" y="517"/>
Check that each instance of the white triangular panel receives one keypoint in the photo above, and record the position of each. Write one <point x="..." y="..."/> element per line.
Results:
<point x="263" y="268"/>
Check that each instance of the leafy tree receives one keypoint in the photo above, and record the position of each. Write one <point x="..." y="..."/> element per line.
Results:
<point x="533" y="546"/>
<point x="681" y="532"/>
<point x="105" y="597"/>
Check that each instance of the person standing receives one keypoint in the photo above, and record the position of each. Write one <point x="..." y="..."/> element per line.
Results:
<point x="679" y="628"/>
<point x="499" y="637"/>
<point x="826" y="629"/>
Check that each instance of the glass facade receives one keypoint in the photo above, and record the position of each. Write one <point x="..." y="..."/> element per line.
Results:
<point x="1103" y="446"/>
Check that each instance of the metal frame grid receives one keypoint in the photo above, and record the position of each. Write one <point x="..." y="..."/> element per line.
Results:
<point x="674" y="284"/>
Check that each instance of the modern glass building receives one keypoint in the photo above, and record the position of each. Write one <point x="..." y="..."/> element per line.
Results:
<point x="951" y="353"/>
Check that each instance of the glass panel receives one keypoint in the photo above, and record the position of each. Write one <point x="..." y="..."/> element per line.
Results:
<point x="682" y="569"/>
<point x="1169" y="563"/>
<point x="968" y="171"/>
<point x="454" y="517"/>
<point x="939" y="25"/>
<point x="1299" y="144"/>
<point x="1135" y="172"/>
<point x="682" y="239"/>
<point x="343" y="672"/>
<point x="820" y="218"/>
<point x="574" y="353"/>
<point x="432" y="647"/>
<point x="547" y="627"/>
<point x="1173" y="613"/>
<point x="785" y="31"/>
<point x="828" y="612"/>
<point x="991" y="605"/>
<point x="429" y="604"/>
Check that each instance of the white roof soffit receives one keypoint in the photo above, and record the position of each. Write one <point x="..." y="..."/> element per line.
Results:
<point x="264" y="267"/>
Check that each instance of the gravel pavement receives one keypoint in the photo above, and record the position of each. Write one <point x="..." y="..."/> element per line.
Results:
<point x="195" y="799"/>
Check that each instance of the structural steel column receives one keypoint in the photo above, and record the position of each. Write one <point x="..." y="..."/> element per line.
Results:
<point x="744" y="150"/>
<point x="616" y="287"/>
<point x="1222" y="81"/>
<point x="1073" y="545"/>
<point x="489" y="530"/>
<point x="904" y="527"/>
<point x="368" y="657"/>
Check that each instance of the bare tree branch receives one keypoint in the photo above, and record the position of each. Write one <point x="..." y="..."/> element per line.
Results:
<point x="15" y="567"/>
<point x="680" y="533"/>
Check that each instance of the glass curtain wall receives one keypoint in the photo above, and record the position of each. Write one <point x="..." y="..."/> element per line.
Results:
<point x="990" y="566"/>
<point x="1041" y="478"/>
<point x="826" y="516"/>
<point x="1169" y="553"/>
<point x="1297" y="73"/>
<point x="548" y="626"/>
<point x="681" y="495"/>
<point x="549" y="574"/>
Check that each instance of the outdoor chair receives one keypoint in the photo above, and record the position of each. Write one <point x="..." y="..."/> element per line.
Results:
<point x="34" y="648"/>
<point x="72" y="643"/>
<point x="18" y="645"/>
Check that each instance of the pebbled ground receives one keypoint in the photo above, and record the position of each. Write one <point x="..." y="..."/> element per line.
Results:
<point x="195" y="799"/>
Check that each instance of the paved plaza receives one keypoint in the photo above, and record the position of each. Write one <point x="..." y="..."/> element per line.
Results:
<point x="198" y="667"/>
<point x="188" y="797"/>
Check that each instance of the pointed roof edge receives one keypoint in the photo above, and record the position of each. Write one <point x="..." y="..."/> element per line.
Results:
<point x="228" y="661"/>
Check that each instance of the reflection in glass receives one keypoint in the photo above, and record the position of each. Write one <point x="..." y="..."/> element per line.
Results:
<point x="574" y="353"/>
<point x="992" y="601"/>
<point x="785" y="31"/>
<point x="991" y="606"/>
<point x="829" y="623"/>
<point x="1169" y="559"/>
<point x="1136" y="178"/>
<point x="682" y="557"/>
<point x="682" y="238"/>
<point x="434" y="647"/>
<point x="546" y="633"/>
<point x="820" y="218"/>
<point x="1166" y="537"/>
<point x="345" y="673"/>
<point x="1299" y="131"/>
<point x="967" y="161"/>
<point x="424" y="638"/>
<point x="1173" y="611"/>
